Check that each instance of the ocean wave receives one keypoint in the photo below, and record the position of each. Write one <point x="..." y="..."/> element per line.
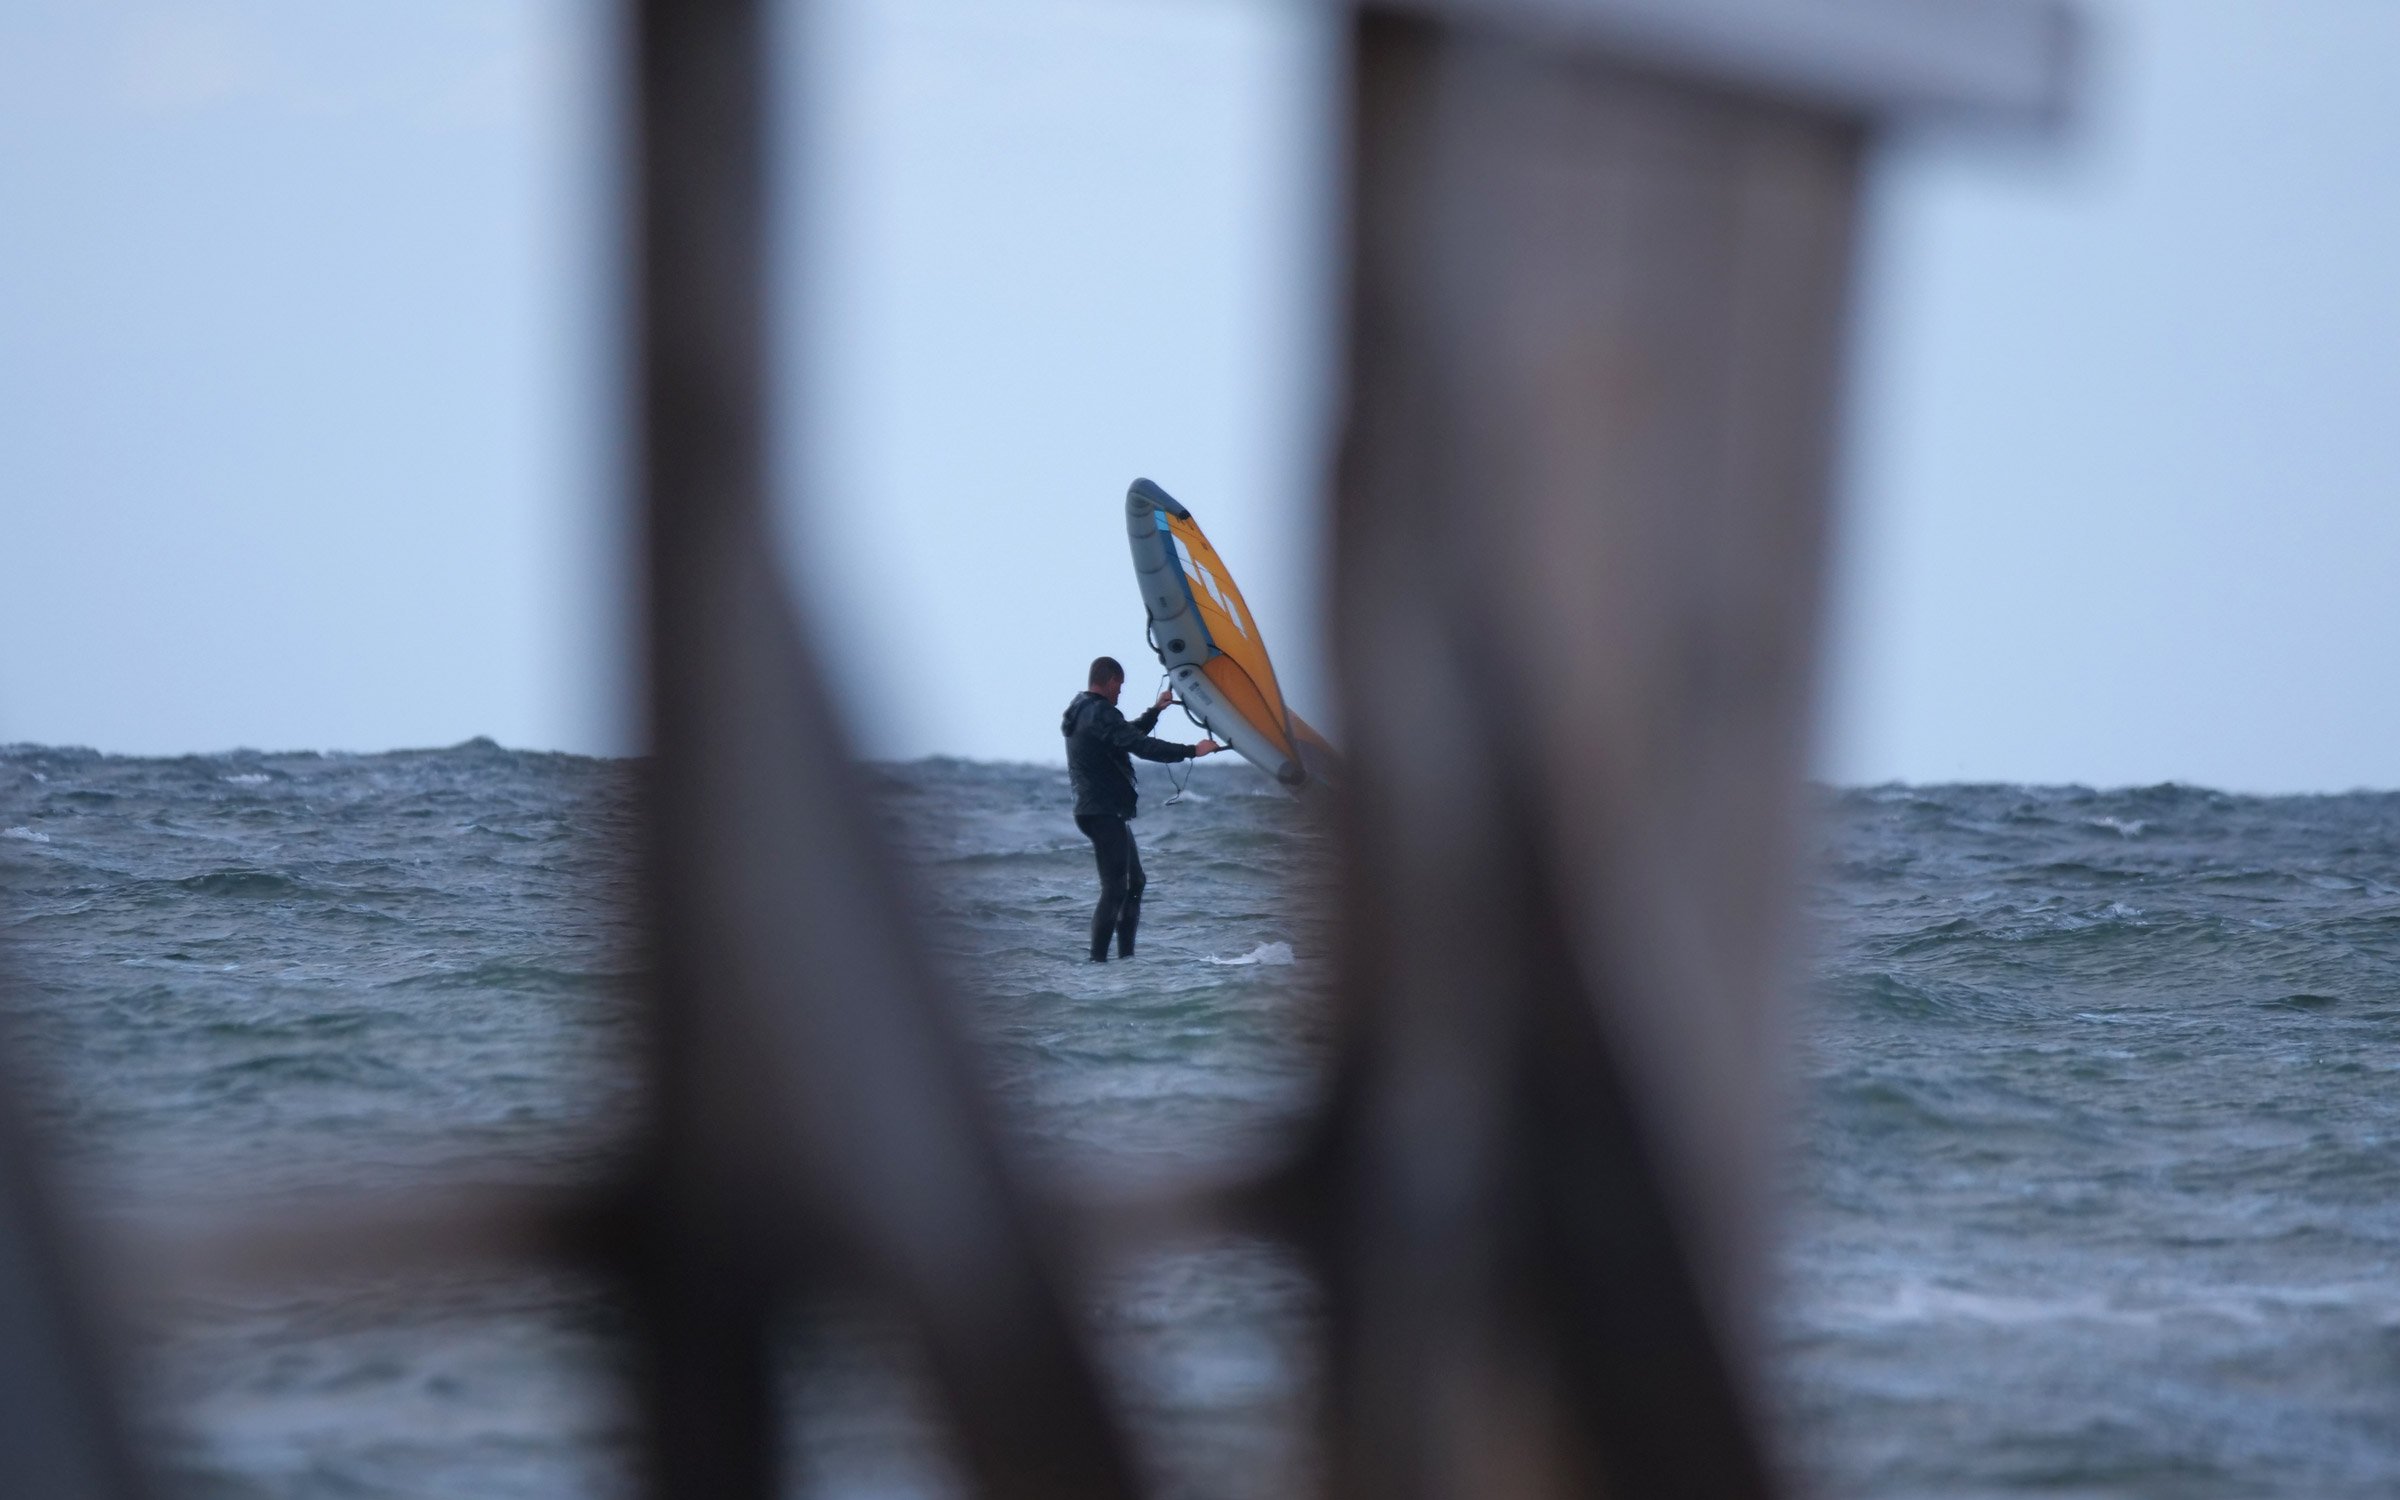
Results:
<point x="236" y="881"/>
<point x="508" y="976"/>
<point x="262" y="1073"/>
<point x="1885" y="993"/>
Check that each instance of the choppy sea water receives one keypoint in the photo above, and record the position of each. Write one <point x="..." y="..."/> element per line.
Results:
<point x="2095" y="1185"/>
<point x="2100" y="1167"/>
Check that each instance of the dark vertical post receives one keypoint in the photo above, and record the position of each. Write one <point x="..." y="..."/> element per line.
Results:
<point x="813" y="1104"/>
<point x="1595" y="319"/>
<point x="700" y="317"/>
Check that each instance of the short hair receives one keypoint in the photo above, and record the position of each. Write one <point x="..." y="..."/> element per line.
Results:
<point x="1105" y="669"/>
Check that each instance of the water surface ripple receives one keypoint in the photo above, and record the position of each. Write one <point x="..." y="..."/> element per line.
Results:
<point x="2094" y="1186"/>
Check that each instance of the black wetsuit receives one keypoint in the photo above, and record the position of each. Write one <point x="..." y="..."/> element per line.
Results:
<point x="1100" y="747"/>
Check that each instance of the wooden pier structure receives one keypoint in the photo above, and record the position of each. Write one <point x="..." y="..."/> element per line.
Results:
<point x="1597" y="277"/>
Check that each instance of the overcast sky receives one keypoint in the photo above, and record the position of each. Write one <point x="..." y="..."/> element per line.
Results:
<point x="307" y="436"/>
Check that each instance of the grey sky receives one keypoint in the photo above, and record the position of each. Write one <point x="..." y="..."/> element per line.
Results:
<point x="306" y="436"/>
<point x="2126" y="498"/>
<point x="295" y="418"/>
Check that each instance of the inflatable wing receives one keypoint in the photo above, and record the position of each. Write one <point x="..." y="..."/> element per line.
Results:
<point x="1210" y="646"/>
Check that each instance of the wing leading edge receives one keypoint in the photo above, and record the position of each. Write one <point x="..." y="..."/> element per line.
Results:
<point x="1211" y="645"/>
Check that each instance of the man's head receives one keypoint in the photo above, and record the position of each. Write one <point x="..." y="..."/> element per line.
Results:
<point x="1108" y="677"/>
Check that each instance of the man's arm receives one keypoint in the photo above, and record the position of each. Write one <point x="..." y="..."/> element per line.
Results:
<point x="1130" y="738"/>
<point x="1147" y="720"/>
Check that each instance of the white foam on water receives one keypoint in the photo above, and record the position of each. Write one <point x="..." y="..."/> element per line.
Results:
<point x="1911" y="1300"/>
<point x="250" y="778"/>
<point x="2127" y="828"/>
<point x="26" y="834"/>
<point x="1914" y="1301"/>
<point x="1268" y="954"/>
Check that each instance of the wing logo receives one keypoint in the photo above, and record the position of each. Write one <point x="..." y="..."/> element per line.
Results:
<point x="1198" y="571"/>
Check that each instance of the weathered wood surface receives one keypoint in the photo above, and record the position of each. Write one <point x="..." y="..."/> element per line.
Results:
<point x="1595" y="344"/>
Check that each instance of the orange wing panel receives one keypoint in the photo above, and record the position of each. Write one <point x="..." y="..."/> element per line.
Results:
<point x="1231" y="629"/>
<point x="1245" y="699"/>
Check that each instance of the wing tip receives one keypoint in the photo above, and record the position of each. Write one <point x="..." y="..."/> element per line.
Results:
<point x="1145" y="493"/>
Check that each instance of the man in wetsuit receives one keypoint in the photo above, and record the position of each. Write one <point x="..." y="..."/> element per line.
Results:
<point x="1100" y="744"/>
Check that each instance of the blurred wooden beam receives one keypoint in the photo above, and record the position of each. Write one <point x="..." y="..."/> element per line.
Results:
<point x="2008" y="62"/>
<point x="811" y="1099"/>
<point x="1596" y="321"/>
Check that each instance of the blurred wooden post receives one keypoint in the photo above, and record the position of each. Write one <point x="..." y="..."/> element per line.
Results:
<point x="814" y="1110"/>
<point x="62" y="1430"/>
<point x="1598" y="270"/>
